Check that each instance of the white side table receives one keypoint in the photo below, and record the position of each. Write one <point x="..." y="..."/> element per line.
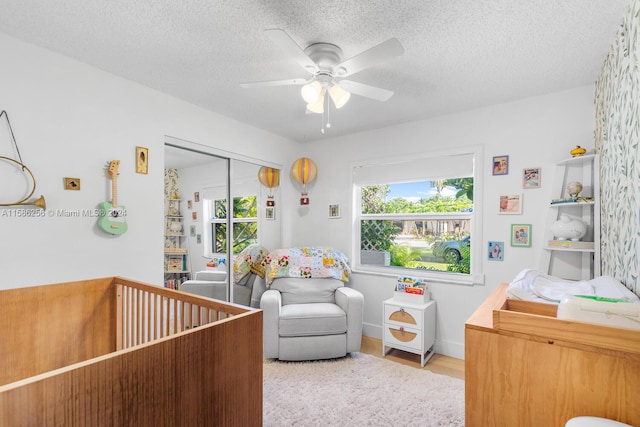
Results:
<point x="409" y="327"/>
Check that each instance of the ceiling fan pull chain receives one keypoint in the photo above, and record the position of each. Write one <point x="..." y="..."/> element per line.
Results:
<point x="328" y="117"/>
<point x="324" y="101"/>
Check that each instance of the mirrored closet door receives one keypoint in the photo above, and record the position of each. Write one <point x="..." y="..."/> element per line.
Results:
<point x="214" y="206"/>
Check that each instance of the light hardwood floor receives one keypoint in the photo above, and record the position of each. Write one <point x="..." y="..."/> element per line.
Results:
<point x="438" y="364"/>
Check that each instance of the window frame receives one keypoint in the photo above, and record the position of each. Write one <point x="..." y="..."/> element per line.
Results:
<point x="476" y="275"/>
<point x="230" y="221"/>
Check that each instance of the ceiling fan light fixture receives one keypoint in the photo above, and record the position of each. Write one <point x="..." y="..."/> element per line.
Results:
<point x="311" y="92"/>
<point x="318" y="106"/>
<point x="339" y="96"/>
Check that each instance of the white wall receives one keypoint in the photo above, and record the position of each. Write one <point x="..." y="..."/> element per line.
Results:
<point x="69" y="120"/>
<point x="535" y="132"/>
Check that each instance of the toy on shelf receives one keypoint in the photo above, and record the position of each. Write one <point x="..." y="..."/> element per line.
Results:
<point x="578" y="151"/>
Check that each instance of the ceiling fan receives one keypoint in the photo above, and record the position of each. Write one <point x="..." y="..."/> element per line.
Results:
<point x="327" y="70"/>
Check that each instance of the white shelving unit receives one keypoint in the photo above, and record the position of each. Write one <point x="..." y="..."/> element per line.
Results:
<point x="579" y="260"/>
<point x="176" y="253"/>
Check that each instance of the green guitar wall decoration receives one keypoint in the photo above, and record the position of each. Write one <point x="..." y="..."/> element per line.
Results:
<point x="113" y="218"/>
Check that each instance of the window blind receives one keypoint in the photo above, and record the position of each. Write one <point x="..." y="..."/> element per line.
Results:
<point x="410" y="170"/>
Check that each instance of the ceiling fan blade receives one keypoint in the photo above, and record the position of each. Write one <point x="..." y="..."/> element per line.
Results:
<point x="379" y="53"/>
<point x="268" y="83"/>
<point x="291" y="48"/>
<point x="366" y="90"/>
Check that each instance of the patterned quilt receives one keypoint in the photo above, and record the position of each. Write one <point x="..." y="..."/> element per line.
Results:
<point x="252" y="259"/>
<point x="307" y="262"/>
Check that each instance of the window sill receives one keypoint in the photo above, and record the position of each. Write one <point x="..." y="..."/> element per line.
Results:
<point x="429" y="276"/>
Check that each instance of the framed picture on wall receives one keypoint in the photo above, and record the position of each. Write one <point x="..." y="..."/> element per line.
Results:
<point x="334" y="211"/>
<point x="72" y="184"/>
<point x="270" y="213"/>
<point x="531" y="178"/>
<point x="521" y="235"/>
<point x="142" y="160"/>
<point x="500" y="165"/>
<point x="510" y="204"/>
<point x="495" y="251"/>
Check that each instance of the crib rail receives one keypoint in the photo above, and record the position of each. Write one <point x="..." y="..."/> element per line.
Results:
<point x="116" y="352"/>
<point x="146" y="313"/>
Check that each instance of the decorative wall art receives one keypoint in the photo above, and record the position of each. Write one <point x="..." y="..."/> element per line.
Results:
<point x="39" y="202"/>
<point x="510" y="204"/>
<point x="270" y="213"/>
<point x="334" y="211"/>
<point x="196" y="197"/>
<point x="531" y="178"/>
<point x="521" y="235"/>
<point x="270" y="178"/>
<point x="304" y="171"/>
<point x="500" y="165"/>
<point x="495" y="251"/>
<point x="142" y="160"/>
<point x="192" y="231"/>
<point x="194" y="216"/>
<point x="72" y="183"/>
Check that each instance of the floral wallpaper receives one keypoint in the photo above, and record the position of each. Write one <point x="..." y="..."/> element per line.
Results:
<point x="171" y="186"/>
<point x="617" y="102"/>
<point x="170" y="182"/>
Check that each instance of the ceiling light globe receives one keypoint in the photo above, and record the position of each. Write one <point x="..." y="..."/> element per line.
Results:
<point x="317" y="107"/>
<point x="339" y="96"/>
<point x="311" y="92"/>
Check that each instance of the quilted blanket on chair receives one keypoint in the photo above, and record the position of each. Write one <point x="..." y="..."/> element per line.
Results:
<point x="306" y="263"/>
<point x="252" y="259"/>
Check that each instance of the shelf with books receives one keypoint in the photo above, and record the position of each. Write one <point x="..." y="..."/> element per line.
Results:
<point x="176" y="252"/>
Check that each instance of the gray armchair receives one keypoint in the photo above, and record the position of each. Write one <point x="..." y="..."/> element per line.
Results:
<point x="213" y="284"/>
<point x="308" y="319"/>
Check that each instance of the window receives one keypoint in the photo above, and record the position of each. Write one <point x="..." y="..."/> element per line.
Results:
<point x="244" y="222"/>
<point x="417" y="216"/>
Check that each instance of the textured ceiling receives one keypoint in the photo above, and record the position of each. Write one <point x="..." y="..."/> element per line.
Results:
<point x="459" y="54"/>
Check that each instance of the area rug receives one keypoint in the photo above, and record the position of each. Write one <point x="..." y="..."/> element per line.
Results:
<point x="359" y="390"/>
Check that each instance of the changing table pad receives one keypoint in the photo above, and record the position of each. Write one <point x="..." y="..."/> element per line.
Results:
<point x="533" y="285"/>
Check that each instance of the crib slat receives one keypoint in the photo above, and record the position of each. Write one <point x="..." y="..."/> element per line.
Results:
<point x="129" y="317"/>
<point x="119" y="318"/>
<point x="145" y="315"/>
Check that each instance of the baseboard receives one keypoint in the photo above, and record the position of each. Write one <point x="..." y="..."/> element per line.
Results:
<point x="371" y="330"/>
<point x="451" y="349"/>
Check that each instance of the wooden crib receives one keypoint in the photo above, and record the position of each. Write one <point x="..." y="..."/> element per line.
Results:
<point x="114" y="351"/>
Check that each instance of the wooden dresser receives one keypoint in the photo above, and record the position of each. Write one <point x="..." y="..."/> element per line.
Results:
<point x="525" y="367"/>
